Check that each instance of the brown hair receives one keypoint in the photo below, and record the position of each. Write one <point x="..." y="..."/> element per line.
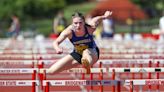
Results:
<point x="78" y="14"/>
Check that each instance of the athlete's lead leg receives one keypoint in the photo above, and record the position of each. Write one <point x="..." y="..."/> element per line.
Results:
<point x="89" y="57"/>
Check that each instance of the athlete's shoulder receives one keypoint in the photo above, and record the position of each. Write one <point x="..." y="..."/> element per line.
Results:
<point x="69" y="27"/>
<point x="90" y="28"/>
<point x="68" y="31"/>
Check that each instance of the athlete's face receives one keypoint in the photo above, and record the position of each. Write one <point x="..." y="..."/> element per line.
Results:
<point x="78" y="23"/>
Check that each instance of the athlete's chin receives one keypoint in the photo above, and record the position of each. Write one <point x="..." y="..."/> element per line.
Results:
<point x="78" y="28"/>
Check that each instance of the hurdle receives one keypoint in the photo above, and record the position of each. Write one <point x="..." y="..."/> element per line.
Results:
<point x="118" y="70"/>
<point x="20" y="71"/>
<point x="144" y="82"/>
<point x="16" y="57"/>
<point x="141" y="70"/>
<point x="131" y="61"/>
<point x="94" y="70"/>
<point x="148" y="69"/>
<point x="17" y="70"/>
<point x="74" y="70"/>
<point x="132" y="56"/>
<point x="104" y="62"/>
<point x="121" y="70"/>
<point x="10" y="63"/>
<point x="131" y="83"/>
<point x="140" y="62"/>
<point x="99" y="71"/>
<point x="32" y="83"/>
<point x="48" y="83"/>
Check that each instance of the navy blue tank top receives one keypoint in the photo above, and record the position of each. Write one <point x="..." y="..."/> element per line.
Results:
<point x="83" y="42"/>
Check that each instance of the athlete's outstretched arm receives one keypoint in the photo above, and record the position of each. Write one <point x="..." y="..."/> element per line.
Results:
<point x="96" y="20"/>
<point x="62" y="37"/>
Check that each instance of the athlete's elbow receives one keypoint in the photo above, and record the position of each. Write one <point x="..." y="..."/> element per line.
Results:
<point x="94" y="25"/>
<point x="55" y="44"/>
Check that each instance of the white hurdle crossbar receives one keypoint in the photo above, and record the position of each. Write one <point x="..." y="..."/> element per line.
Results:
<point x="17" y="62"/>
<point x="83" y="70"/>
<point x="104" y="61"/>
<point x="119" y="70"/>
<point x="18" y="82"/>
<point x="80" y="82"/>
<point x="131" y="83"/>
<point x="108" y="70"/>
<point x="142" y="82"/>
<point x="17" y="70"/>
<point x="130" y="61"/>
<point x="103" y="82"/>
<point x="135" y="70"/>
<point x="118" y="61"/>
<point x="145" y="82"/>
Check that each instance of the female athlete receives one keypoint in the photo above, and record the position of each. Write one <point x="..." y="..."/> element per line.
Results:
<point x="85" y="50"/>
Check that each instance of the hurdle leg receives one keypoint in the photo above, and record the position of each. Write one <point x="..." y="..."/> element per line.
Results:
<point x="141" y="77"/>
<point x="118" y="86"/>
<point x="47" y="87"/>
<point x="113" y="78"/>
<point x="131" y="86"/>
<point x="101" y="78"/>
<point x="149" y="75"/>
<point x="83" y="74"/>
<point x="40" y="75"/>
<point x="33" y="83"/>
<point x="133" y="74"/>
<point x="33" y="86"/>
<point x="91" y="78"/>
<point x="157" y="74"/>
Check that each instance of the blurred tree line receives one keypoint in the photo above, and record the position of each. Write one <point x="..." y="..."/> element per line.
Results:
<point x="153" y="8"/>
<point x="33" y="8"/>
<point x="30" y="8"/>
<point x="41" y="9"/>
<point x="47" y="8"/>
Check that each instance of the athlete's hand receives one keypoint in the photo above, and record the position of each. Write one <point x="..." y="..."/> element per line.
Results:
<point x="107" y="14"/>
<point x="59" y="51"/>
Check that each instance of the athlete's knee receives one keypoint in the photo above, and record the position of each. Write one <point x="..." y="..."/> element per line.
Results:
<point x="50" y="71"/>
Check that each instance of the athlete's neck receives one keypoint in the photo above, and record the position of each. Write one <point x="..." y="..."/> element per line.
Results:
<point x="80" y="32"/>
